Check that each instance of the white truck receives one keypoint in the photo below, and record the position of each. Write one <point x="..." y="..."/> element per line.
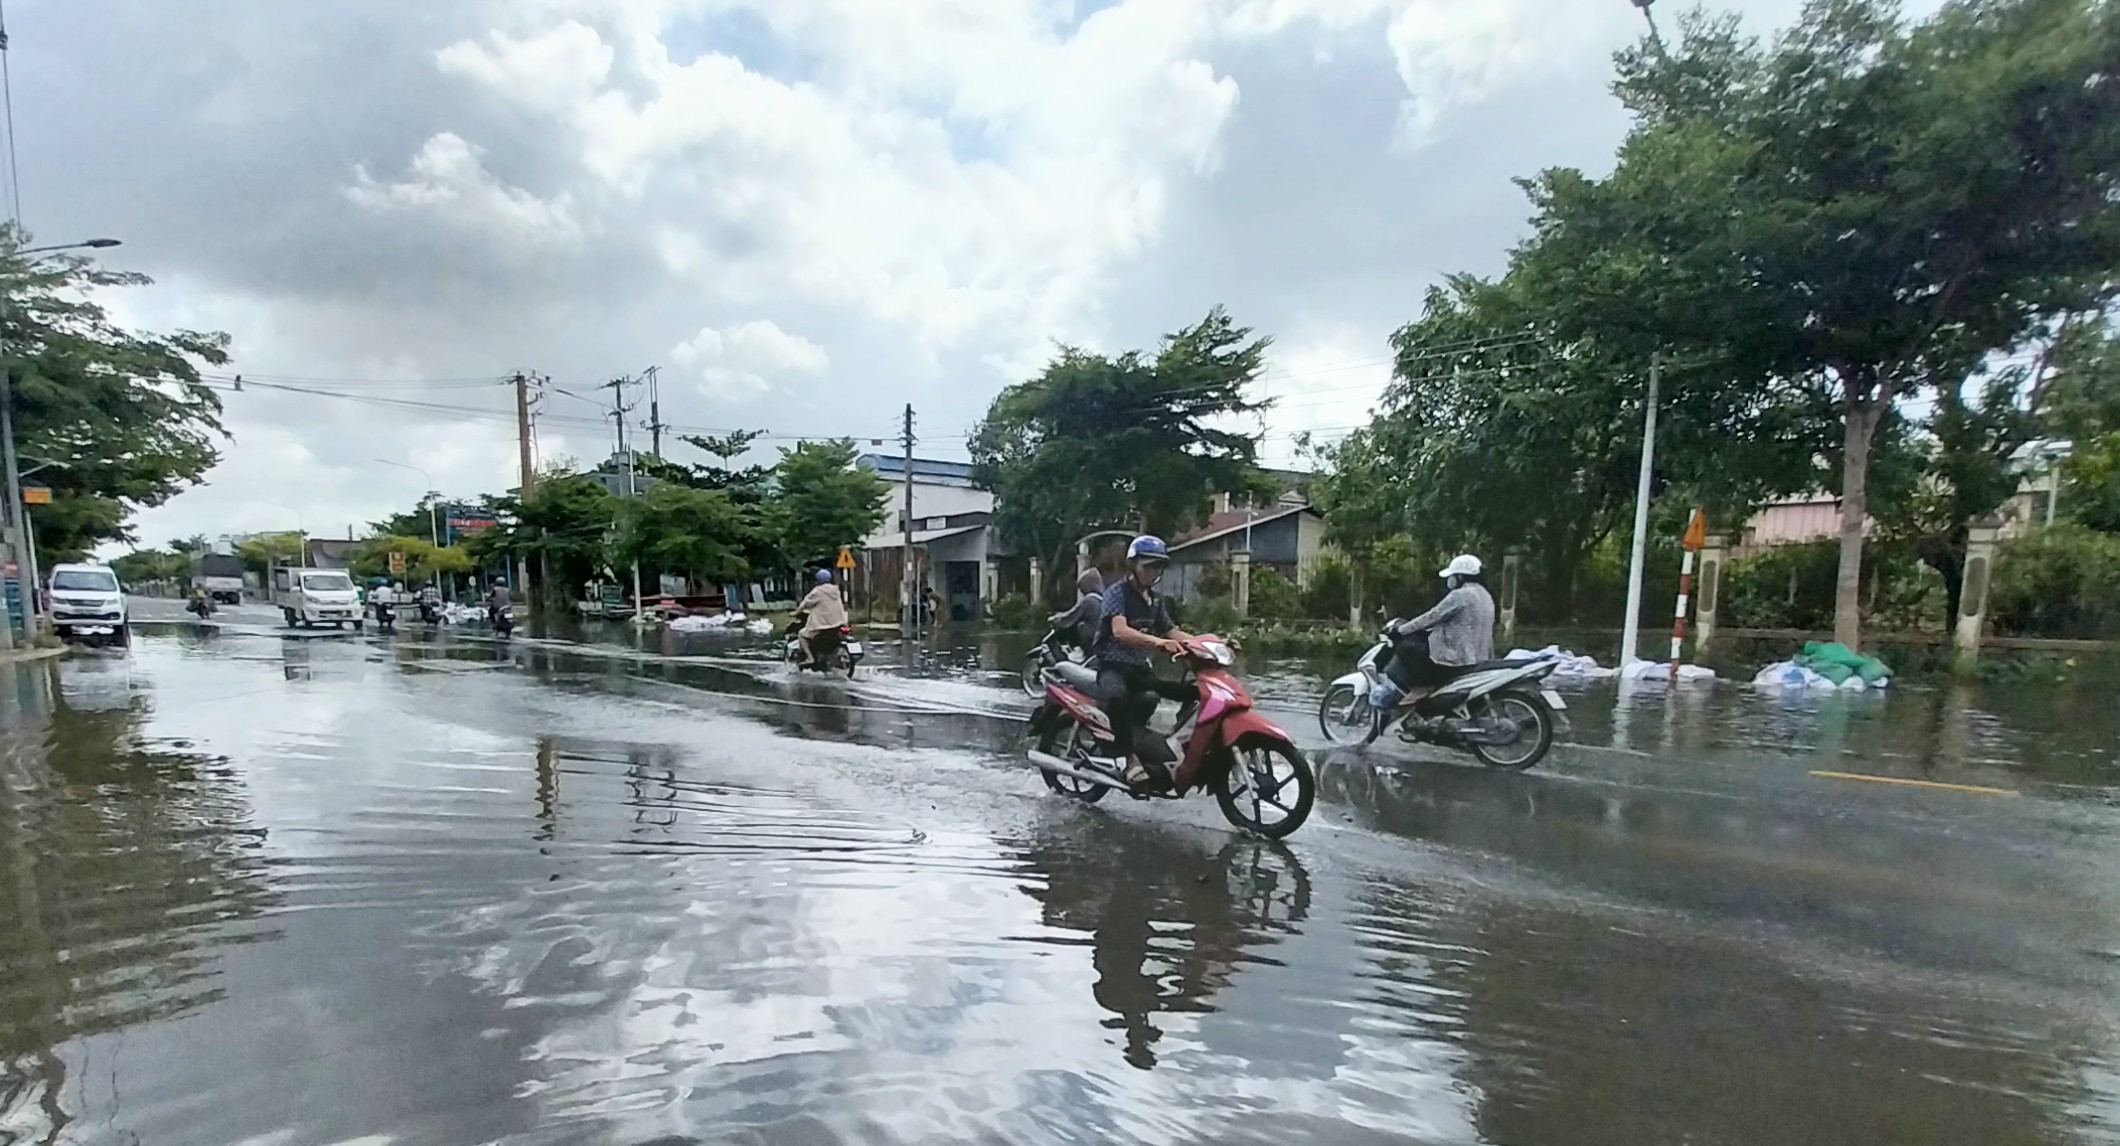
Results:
<point x="87" y="601"/>
<point x="315" y="597"/>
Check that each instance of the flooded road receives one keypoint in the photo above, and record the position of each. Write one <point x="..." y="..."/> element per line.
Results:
<point x="434" y="889"/>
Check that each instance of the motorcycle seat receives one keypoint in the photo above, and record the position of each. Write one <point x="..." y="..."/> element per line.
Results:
<point x="1488" y="666"/>
<point x="1074" y="675"/>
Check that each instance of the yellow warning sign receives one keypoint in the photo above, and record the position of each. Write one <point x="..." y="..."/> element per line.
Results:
<point x="1696" y="531"/>
<point x="846" y="558"/>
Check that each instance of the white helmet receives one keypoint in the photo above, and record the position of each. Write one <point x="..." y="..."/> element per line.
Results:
<point x="1463" y="565"/>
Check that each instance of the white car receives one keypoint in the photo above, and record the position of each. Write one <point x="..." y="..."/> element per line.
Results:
<point x="87" y="601"/>
<point x="316" y="597"/>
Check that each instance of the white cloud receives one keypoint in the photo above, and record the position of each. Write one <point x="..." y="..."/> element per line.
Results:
<point x="449" y="180"/>
<point x="735" y="364"/>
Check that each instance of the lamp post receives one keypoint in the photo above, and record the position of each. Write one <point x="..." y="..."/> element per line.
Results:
<point x="434" y="525"/>
<point x="25" y="560"/>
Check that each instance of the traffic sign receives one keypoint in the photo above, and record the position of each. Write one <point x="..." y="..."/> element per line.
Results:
<point x="36" y="495"/>
<point x="397" y="563"/>
<point x="846" y="559"/>
<point x="1696" y="532"/>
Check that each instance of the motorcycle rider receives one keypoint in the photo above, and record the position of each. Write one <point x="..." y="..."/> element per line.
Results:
<point x="1430" y="649"/>
<point x="822" y="610"/>
<point x="1135" y="622"/>
<point x="497" y="604"/>
<point x="430" y="603"/>
<point x="200" y="603"/>
<point x="1080" y="623"/>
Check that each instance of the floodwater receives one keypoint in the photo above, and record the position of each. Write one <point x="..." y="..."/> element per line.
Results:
<point x="429" y="888"/>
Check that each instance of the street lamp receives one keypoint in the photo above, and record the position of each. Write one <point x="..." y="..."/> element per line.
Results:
<point x="18" y="524"/>
<point x="434" y="525"/>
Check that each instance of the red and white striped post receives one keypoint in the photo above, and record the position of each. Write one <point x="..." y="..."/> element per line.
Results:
<point x="1696" y="538"/>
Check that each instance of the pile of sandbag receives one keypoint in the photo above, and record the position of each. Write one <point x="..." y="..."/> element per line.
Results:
<point x="703" y="624"/>
<point x="1825" y="667"/>
<point x="1661" y="670"/>
<point x="1566" y="663"/>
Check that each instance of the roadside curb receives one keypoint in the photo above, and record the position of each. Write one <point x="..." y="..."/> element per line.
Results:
<point x="24" y="656"/>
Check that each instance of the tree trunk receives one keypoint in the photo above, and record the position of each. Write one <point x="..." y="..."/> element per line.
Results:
<point x="1946" y="555"/>
<point x="1862" y="419"/>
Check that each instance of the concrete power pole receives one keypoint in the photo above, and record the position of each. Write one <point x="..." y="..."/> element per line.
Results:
<point x="528" y="476"/>
<point x="655" y="422"/>
<point x="617" y="386"/>
<point x="909" y="602"/>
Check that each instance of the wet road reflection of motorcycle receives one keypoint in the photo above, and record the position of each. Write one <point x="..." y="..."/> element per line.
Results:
<point x="1171" y="916"/>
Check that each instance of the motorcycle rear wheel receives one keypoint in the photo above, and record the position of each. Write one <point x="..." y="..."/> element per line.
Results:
<point x="1241" y="790"/>
<point x="1534" y="722"/>
<point x="1066" y="742"/>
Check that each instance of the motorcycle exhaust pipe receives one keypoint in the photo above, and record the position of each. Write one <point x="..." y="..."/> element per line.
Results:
<point x="1053" y="763"/>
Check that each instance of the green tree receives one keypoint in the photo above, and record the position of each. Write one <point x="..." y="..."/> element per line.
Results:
<point x="565" y="529"/>
<point x="823" y="500"/>
<point x="422" y="520"/>
<point x="1858" y="213"/>
<point x="1126" y="442"/>
<point x="2084" y="409"/>
<point x="142" y="565"/>
<point x="695" y="533"/>
<point x="262" y="552"/>
<point x="124" y="414"/>
<point x="424" y="560"/>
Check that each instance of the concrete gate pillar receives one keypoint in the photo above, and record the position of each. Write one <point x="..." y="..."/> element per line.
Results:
<point x="1240" y="582"/>
<point x="1355" y="582"/>
<point x="1707" y="595"/>
<point x="1512" y="575"/>
<point x="1081" y="556"/>
<point x="1037" y="583"/>
<point x="1980" y="544"/>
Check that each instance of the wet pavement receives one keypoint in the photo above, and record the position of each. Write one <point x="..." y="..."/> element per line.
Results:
<point x="589" y="887"/>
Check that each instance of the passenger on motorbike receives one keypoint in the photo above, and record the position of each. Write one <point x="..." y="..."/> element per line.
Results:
<point x="1080" y="624"/>
<point x="1136" y="622"/>
<point x="1430" y="649"/>
<point x="821" y="611"/>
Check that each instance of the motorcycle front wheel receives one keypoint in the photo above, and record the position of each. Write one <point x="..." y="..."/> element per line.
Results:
<point x="1069" y="743"/>
<point x="1344" y="716"/>
<point x="1534" y="727"/>
<point x="1268" y="789"/>
<point x="1033" y="674"/>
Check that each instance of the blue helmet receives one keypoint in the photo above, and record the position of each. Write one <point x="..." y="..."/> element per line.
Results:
<point x="1147" y="548"/>
<point x="824" y="576"/>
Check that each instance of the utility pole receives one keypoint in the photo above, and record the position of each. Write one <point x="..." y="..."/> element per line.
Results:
<point x="911" y="603"/>
<point x="527" y="479"/>
<point x="655" y="422"/>
<point x="1628" y="632"/>
<point x="17" y="520"/>
<point x="619" y="409"/>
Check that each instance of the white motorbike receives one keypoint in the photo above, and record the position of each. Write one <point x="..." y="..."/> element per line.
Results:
<point x="1496" y="710"/>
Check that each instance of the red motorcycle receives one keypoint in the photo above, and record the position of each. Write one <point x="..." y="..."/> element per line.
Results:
<point x="1254" y="768"/>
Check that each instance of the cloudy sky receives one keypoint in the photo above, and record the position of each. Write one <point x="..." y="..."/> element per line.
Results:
<point x="807" y="213"/>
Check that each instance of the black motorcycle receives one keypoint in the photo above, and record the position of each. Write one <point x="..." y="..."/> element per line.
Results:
<point x="502" y="620"/>
<point x="1055" y="647"/>
<point x="385" y="617"/>
<point x="203" y="607"/>
<point x="430" y="613"/>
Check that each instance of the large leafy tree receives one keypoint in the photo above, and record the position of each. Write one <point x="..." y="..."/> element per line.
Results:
<point x="1857" y="213"/>
<point x="2084" y="409"/>
<point x="424" y="560"/>
<point x="824" y="500"/>
<point x="694" y="533"/>
<point x="563" y="530"/>
<point x="1127" y="442"/>
<point x="120" y="418"/>
<point x="1500" y="428"/>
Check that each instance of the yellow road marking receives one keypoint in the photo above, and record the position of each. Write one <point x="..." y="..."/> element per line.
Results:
<point x="1934" y="784"/>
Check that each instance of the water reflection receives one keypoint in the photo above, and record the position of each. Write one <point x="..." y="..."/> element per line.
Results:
<point x="130" y="865"/>
<point x="1169" y="922"/>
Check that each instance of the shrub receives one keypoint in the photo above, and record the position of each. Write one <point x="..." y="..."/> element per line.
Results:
<point x="1205" y="614"/>
<point x="2062" y="581"/>
<point x="1213" y="580"/>
<point x="1016" y="612"/>
<point x="1331" y="589"/>
<point x="1786" y="587"/>
<point x="1273" y="597"/>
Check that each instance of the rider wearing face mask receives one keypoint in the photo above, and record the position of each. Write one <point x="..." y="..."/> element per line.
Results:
<point x="1439" y="644"/>
<point x="1135" y="623"/>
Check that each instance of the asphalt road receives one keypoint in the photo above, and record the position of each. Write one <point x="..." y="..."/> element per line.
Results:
<point x="432" y="887"/>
